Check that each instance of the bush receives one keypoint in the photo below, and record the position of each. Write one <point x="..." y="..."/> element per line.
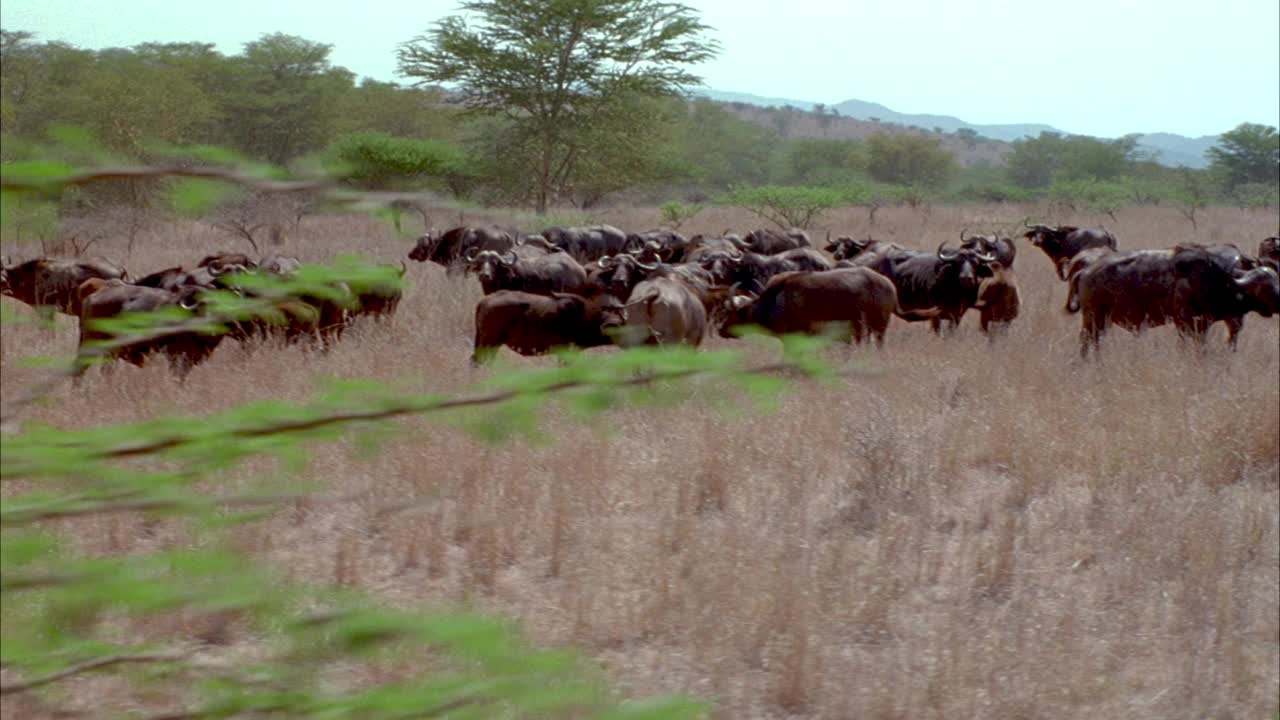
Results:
<point x="378" y="161"/>
<point x="786" y="206"/>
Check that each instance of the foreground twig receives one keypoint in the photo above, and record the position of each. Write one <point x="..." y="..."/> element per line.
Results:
<point x="90" y="665"/>
<point x="411" y="407"/>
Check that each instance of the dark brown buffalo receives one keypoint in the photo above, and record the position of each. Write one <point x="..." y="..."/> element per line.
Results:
<point x="846" y="248"/>
<point x="700" y="245"/>
<point x="937" y="287"/>
<point x="109" y="299"/>
<point x="619" y="274"/>
<point x="54" y="283"/>
<point x="1063" y="242"/>
<point x="1269" y="252"/>
<point x="1189" y="286"/>
<point x="669" y="245"/>
<point x="378" y="300"/>
<point x="857" y="302"/>
<point x="228" y="262"/>
<point x="1001" y="248"/>
<point x="536" y="324"/>
<point x="663" y="311"/>
<point x="772" y="242"/>
<point x="450" y="248"/>
<point x="752" y="270"/>
<point x="1082" y="260"/>
<point x="587" y="244"/>
<point x="527" y="271"/>
<point x="998" y="300"/>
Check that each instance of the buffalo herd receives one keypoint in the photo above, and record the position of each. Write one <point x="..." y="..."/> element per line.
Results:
<point x="597" y="285"/>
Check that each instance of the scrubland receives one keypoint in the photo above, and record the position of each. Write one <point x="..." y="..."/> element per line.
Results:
<point x="954" y="528"/>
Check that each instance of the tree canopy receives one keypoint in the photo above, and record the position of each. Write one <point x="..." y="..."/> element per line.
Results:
<point x="555" y="68"/>
<point x="1248" y="154"/>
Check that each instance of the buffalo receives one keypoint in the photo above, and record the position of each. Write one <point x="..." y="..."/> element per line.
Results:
<point x="1001" y="248"/>
<point x="619" y="274"/>
<point x="450" y="248"/>
<point x="1063" y="242"/>
<point x="378" y="299"/>
<point x="857" y="301"/>
<point x="663" y="311"/>
<point x="752" y="270"/>
<point x="587" y="244"/>
<point x="700" y="245"/>
<point x="535" y="272"/>
<point x="227" y="261"/>
<point x="999" y="300"/>
<point x="1190" y="286"/>
<point x="1082" y="260"/>
<point x="772" y="242"/>
<point x="933" y="286"/>
<point x="668" y="245"/>
<point x="846" y="248"/>
<point x="54" y="283"/>
<point x="535" y="324"/>
<point x="108" y="299"/>
<point x="1269" y="252"/>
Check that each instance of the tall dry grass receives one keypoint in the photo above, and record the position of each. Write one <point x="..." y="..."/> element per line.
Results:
<point x="962" y="529"/>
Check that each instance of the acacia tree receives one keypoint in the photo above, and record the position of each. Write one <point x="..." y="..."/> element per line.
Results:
<point x="553" y="66"/>
<point x="1248" y="154"/>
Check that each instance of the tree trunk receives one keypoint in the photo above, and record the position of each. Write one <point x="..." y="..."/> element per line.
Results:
<point x="544" y="177"/>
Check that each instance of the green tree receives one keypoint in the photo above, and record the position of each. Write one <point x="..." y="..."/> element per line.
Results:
<point x="909" y="159"/>
<point x="1248" y="154"/>
<point x="1087" y="158"/>
<point x="819" y="161"/>
<point x="553" y="66"/>
<point x="128" y="102"/>
<point x="404" y="112"/>
<point x="287" y="97"/>
<point x="1033" y="161"/>
<point x="722" y="149"/>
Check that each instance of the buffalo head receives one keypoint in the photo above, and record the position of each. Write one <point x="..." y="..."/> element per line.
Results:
<point x="966" y="265"/>
<point x="422" y="249"/>
<point x="720" y="264"/>
<point x="489" y="265"/>
<point x="620" y="273"/>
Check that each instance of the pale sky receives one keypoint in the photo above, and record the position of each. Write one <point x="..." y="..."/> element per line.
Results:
<point x="1097" y="67"/>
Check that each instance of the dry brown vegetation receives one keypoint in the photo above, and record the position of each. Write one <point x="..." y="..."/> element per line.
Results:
<point x="963" y="529"/>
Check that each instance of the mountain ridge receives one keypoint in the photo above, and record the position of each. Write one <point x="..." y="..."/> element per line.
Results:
<point x="1170" y="149"/>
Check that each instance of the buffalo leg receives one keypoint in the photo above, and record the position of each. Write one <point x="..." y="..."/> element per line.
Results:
<point x="1234" y="325"/>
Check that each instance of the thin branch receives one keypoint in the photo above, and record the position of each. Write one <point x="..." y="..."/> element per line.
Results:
<point x="90" y="665"/>
<point x="241" y="501"/>
<point x="411" y="407"/>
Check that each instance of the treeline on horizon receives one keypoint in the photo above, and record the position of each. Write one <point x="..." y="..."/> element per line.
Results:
<point x="281" y="101"/>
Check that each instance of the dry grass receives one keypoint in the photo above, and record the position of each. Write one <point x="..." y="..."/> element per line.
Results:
<point x="968" y="530"/>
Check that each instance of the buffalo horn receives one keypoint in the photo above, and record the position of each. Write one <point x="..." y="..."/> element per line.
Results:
<point x="962" y="232"/>
<point x="471" y="254"/>
<point x="605" y="262"/>
<point x="504" y="259"/>
<point x="403" y="268"/>
<point x="942" y="255"/>
<point x="985" y="257"/>
<point x="653" y="266"/>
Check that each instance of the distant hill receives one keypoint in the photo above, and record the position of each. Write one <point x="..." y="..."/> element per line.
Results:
<point x="1169" y="148"/>
<point x="1177" y="150"/>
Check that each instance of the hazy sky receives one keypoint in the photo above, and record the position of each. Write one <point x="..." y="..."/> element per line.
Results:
<point x="1099" y="67"/>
